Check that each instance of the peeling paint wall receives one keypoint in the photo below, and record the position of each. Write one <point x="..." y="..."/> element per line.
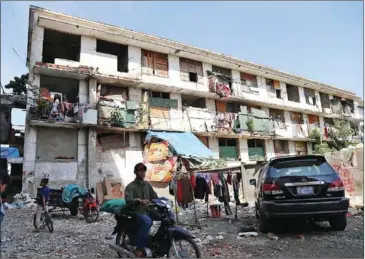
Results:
<point x="118" y="163"/>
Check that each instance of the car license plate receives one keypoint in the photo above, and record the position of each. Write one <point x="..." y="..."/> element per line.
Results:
<point x="305" y="190"/>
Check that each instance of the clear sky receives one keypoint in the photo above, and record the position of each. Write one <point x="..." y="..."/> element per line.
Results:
<point x="322" y="41"/>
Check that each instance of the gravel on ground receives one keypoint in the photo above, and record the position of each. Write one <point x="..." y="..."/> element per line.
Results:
<point x="74" y="238"/>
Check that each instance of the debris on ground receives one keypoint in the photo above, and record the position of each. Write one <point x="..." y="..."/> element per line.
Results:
<point x="272" y="236"/>
<point x="300" y="236"/>
<point x="248" y="234"/>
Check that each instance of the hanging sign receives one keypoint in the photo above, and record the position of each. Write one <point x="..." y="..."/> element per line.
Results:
<point x="156" y="152"/>
<point x="160" y="172"/>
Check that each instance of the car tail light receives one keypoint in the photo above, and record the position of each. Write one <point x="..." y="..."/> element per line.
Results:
<point x="336" y="186"/>
<point x="271" y="189"/>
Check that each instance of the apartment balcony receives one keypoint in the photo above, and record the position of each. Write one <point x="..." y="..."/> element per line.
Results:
<point x="61" y="114"/>
<point x="299" y="130"/>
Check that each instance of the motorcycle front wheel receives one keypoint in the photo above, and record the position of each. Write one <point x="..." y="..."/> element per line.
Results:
<point x="184" y="247"/>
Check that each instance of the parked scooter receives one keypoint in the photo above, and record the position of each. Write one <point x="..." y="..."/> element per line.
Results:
<point x="169" y="240"/>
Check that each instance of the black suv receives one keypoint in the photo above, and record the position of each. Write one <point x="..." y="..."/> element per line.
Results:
<point x="297" y="187"/>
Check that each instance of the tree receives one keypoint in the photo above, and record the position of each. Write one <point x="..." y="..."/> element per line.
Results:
<point x="340" y="134"/>
<point x="18" y="85"/>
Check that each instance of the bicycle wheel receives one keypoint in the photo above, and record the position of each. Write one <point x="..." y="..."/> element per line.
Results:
<point x="49" y="222"/>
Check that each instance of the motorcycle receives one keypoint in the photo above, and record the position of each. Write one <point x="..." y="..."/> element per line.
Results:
<point x="167" y="240"/>
<point x="88" y="208"/>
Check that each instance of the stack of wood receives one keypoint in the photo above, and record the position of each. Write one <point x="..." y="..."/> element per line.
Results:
<point x="108" y="189"/>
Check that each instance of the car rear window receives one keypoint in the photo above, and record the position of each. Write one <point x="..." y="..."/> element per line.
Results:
<point x="307" y="167"/>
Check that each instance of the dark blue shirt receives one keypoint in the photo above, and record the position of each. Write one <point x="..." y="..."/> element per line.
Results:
<point x="44" y="191"/>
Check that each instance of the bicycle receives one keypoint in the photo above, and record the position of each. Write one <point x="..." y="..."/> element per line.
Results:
<point x="46" y="220"/>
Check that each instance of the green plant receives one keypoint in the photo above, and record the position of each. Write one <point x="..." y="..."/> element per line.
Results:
<point x="316" y="135"/>
<point x="322" y="149"/>
<point x="340" y="133"/>
<point x="250" y="125"/>
<point x="116" y="117"/>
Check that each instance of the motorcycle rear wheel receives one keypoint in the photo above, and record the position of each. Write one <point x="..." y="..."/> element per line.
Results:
<point x="120" y="241"/>
<point x="190" y="242"/>
<point x="92" y="215"/>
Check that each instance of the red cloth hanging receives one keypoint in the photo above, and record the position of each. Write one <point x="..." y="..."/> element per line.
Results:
<point x="229" y="178"/>
<point x="179" y="191"/>
<point x="193" y="181"/>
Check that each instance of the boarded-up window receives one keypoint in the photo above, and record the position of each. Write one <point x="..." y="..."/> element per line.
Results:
<point x="313" y="119"/>
<point x="300" y="148"/>
<point x="56" y="145"/>
<point x="112" y="141"/>
<point x="154" y="63"/>
<point x="221" y="106"/>
<point x="248" y="79"/>
<point x="191" y="70"/>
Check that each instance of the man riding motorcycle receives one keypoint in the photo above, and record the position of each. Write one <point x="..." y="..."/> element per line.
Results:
<point x="139" y="194"/>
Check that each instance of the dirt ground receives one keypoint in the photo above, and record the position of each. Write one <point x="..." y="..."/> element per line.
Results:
<point x="74" y="238"/>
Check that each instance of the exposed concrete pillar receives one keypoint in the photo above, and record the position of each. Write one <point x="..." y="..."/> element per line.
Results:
<point x="83" y="91"/>
<point x="291" y="148"/>
<point x="243" y="150"/>
<point x="214" y="145"/>
<point x="236" y="84"/>
<point x="82" y="158"/>
<point x="91" y="157"/>
<point x="92" y="93"/>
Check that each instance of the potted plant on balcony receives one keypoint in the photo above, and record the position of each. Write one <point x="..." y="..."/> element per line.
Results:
<point x="250" y="125"/>
<point x="117" y="117"/>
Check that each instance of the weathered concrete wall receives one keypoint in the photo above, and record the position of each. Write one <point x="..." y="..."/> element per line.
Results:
<point x="117" y="163"/>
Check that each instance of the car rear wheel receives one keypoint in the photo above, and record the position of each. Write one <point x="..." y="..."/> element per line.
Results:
<point x="264" y="224"/>
<point x="338" y="223"/>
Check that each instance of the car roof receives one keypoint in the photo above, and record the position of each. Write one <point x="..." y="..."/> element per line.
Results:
<point x="274" y="160"/>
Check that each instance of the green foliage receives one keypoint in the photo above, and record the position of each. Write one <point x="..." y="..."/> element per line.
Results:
<point x="116" y="117"/>
<point x="340" y="134"/>
<point x="316" y="135"/>
<point x="18" y="85"/>
<point x="213" y="163"/>
<point x="323" y="148"/>
<point x="250" y="125"/>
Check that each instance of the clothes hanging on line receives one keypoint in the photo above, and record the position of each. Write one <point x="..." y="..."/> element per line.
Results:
<point x="202" y="189"/>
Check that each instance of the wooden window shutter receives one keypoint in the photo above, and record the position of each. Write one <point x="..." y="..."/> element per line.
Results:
<point x="276" y="84"/>
<point x="161" y="64"/>
<point x="147" y="62"/>
<point x="221" y="106"/>
<point x="184" y="69"/>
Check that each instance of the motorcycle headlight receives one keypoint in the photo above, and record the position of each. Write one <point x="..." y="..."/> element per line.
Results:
<point x="168" y="204"/>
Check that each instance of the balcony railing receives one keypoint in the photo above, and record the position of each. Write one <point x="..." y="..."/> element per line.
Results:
<point x="45" y="110"/>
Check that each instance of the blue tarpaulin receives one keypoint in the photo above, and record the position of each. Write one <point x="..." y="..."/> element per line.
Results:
<point x="183" y="143"/>
<point x="9" y="152"/>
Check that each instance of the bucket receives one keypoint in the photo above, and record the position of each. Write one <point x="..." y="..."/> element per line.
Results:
<point x="215" y="210"/>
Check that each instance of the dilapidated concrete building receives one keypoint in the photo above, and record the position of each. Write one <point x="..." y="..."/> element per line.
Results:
<point x="98" y="88"/>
